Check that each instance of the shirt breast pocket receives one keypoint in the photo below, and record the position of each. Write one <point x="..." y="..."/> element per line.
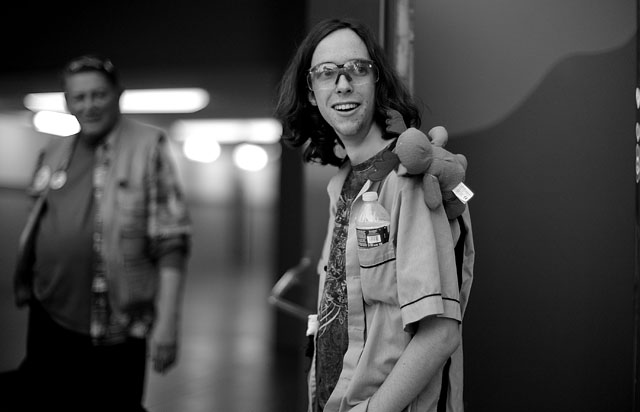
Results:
<point x="378" y="273"/>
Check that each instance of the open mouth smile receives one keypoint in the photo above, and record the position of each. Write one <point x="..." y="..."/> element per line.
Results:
<point x="345" y="107"/>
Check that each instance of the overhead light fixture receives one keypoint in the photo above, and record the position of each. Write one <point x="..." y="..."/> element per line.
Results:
<point x="184" y="100"/>
<point x="164" y="100"/>
<point x="56" y="123"/>
<point x="230" y="131"/>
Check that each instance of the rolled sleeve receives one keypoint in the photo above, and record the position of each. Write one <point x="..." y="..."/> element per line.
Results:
<point x="173" y="252"/>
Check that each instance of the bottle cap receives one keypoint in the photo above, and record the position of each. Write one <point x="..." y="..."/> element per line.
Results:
<point x="370" y="196"/>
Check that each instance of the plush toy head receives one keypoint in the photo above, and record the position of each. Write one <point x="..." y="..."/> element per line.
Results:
<point x="415" y="151"/>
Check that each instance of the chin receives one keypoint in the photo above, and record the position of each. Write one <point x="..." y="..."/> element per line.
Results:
<point x="350" y="133"/>
<point x="94" y="129"/>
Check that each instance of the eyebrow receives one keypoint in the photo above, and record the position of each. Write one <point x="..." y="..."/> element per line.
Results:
<point x="338" y="64"/>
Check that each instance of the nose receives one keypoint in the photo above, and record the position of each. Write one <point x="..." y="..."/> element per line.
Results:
<point x="86" y="103"/>
<point x="343" y="82"/>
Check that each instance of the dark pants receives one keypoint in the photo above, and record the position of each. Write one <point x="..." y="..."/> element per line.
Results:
<point x="63" y="371"/>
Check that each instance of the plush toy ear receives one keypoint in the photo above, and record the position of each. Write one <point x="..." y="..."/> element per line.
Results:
<point x="312" y="99"/>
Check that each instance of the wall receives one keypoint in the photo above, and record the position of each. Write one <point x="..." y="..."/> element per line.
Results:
<point x="540" y="98"/>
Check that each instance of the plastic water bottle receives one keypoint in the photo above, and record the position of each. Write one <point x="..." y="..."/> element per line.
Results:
<point x="372" y="222"/>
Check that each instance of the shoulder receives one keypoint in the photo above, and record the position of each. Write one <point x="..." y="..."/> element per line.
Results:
<point x="139" y="137"/>
<point x="141" y="130"/>
<point x="396" y="183"/>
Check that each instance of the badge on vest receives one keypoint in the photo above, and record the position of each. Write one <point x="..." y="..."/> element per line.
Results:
<point x="58" y="179"/>
<point x="41" y="179"/>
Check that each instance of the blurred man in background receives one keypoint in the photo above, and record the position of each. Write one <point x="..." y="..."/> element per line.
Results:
<point x="102" y="258"/>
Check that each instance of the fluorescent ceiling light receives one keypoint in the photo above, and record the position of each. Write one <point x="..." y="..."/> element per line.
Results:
<point x="231" y="131"/>
<point x="188" y="100"/>
<point x="60" y="124"/>
<point x="164" y="100"/>
<point x="48" y="102"/>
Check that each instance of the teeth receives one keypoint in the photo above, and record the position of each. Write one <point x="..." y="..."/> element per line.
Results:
<point x="346" y="106"/>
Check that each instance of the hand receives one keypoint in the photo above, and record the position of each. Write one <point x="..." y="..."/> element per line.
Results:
<point x="164" y="346"/>
<point x="163" y="356"/>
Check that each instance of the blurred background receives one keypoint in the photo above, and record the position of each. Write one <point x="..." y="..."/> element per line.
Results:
<point x="540" y="96"/>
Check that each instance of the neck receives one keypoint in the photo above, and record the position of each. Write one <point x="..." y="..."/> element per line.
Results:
<point x="93" y="140"/>
<point x="363" y="149"/>
<point x="96" y="139"/>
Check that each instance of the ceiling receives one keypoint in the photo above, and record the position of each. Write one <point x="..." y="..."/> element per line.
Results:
<point x="236" y="50"/>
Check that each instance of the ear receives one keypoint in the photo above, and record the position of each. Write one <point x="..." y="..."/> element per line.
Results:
<point x="312" y="99"/>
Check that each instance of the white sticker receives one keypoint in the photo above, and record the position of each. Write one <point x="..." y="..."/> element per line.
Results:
<point x="463" y="192"/>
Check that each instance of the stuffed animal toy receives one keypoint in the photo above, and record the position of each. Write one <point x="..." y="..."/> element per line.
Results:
<point x="443" y="171"/>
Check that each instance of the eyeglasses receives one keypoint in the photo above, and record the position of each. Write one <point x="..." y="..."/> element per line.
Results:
<point x="325" y="75"/>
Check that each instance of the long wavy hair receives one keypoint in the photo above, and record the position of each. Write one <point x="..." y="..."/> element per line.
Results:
<point x="303" y="125"/>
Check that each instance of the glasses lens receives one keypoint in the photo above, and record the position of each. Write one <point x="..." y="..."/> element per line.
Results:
<point x="325" y="75"/>
<point x="358" y="68"/>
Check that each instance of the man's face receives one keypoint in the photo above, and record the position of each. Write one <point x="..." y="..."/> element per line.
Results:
<point x="94" y="101"/>
<point x="347" y="107"/>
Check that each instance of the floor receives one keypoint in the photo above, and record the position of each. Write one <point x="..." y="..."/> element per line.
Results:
<point x="232" y="358"/>
<point x="228" y="360"/>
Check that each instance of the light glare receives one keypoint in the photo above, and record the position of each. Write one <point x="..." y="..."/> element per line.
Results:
<point x="55" y="123"/>
<point x="164" y="101"/>
<point x="187" y="100"/>
<point x="52" y="102"/>
<point x="201" y="149"/>
<point x="250" y="157"/>
<point x="261" y="130"/>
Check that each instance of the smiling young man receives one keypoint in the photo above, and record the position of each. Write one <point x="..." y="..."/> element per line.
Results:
<point x="347" y="107"/>
<point x="102" y="257"/>
<point x="388" y="316"/>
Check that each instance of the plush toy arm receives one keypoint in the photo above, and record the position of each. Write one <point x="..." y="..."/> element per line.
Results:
<point x="453" y="206"/>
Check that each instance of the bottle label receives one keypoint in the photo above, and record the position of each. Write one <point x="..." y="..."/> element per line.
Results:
<point x="372" y="237"/>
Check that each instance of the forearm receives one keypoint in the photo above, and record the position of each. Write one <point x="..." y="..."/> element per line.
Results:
<point x="164" y="338"/>
<point x="433" y="343"/>
<point x="169" y="300"/>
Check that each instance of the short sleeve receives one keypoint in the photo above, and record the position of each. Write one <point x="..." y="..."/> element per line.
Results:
<point x="426" y="270"/>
